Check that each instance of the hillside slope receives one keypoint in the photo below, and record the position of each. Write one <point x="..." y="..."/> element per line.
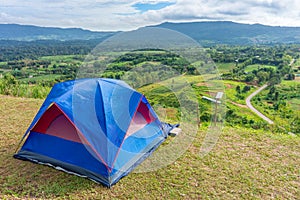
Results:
<point x="244" y="164"/>
<point x="29" y="32"/>
<point x="226" y="32"/>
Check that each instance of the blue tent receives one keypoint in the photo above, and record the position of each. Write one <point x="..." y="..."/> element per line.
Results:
<point x="96" y="128"/>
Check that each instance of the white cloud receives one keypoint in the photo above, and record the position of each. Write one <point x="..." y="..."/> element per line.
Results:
<point x="121" y="15"/>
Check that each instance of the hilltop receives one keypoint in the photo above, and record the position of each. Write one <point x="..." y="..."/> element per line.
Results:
<point x="245" y="163"/>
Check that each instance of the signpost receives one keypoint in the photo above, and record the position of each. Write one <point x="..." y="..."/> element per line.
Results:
<point x="216" y="101"/>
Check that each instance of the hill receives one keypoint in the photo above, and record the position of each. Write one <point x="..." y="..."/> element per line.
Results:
<point x="244" y="164"/>
<point x="29" y="33"/>
<point x="207" y="33"/>
<point x="225" y="32"/>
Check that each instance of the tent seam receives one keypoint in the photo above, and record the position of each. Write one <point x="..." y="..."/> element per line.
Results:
<point x="127" y="131"/>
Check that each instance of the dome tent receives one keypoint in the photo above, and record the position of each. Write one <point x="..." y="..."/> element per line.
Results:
<point x="97" y="128"/>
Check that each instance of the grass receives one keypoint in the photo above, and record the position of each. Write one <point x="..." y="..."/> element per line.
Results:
<point x="296" y="63"/>
<point x="250" y="68"/>
<point x="231" y="94"/>
<point x="295" y="104"/>
<point x="289" y="83"/>
<point x="244" y="164"/>
<point x="60" y="58"/>
<point x="225" y="67"/>
<point x="42" y="77"/>
<point x="2" y="64"/>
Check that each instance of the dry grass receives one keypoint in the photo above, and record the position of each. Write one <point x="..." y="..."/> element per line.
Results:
<point x="245" y="164"/>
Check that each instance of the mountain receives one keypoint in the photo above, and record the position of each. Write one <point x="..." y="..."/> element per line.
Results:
<point x="224" y="32"/>
<point x="206" y="33"/>
<point x="30" y="33"/>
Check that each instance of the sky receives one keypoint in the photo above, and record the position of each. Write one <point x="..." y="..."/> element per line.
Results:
<point x="123" y="15"/>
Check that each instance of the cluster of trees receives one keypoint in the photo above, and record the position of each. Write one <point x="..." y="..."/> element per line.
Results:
<point x="241" y="92"/>
<point x="266" y="55"/>
<point x="9" y="85"/>
<point x="32" y="71"/>
<point x="278" y="56"/>
<point x="233" y="118"/>
<point x="149" y="64"/>
<point x="19" y="64"/>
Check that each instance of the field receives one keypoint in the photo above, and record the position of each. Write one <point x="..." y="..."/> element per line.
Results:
<point x="225" y="67"/>
<point x="250" y="68"/>
<point x="295" y="104"/>
<point x="245" y="164"/>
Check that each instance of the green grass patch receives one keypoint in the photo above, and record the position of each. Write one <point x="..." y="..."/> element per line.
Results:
<point x="231" y="93"/>
<point x="225" y="67"/>
<point x="289" y="83"/>
<point x="61" y="58"/>
<point x="48" y="77"/>
<point x="3" y="64"/>
<point x="295" y="103"/>
<point x="250" y="68"/>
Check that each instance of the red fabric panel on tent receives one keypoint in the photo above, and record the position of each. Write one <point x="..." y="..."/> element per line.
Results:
<point x="141" y="118"/>
<point x="54" y="122"/>
<point x="144" y="110"/>
<point x="43" y="123"/>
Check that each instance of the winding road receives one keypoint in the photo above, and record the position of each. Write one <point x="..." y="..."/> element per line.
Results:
<point x="248" y="102"/>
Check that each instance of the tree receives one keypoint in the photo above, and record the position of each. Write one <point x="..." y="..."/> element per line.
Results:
<point x="290" y="76"/>
<point x="250" y="77"/>
<point x="246" y="88"/>
<point x="262" y="76"/>
<point x="276" y="96"/>
<point x="9" y="79"/>
<point x="275" y="80"/>
<point x="238" y="89"/>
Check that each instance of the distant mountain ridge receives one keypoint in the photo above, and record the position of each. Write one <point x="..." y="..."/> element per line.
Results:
<point x="31" y="33"/>
<point x="206" y="33"/>
<point x="226" y="32"/>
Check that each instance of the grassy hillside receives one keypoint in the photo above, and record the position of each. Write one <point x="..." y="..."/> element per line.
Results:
<point x="244" y="164"/>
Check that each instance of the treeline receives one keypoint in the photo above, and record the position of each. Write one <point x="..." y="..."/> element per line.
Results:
<point x="18" y="50"/>
<point x="265" y="55"/>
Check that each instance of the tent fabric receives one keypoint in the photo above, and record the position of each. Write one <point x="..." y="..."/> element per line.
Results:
<point x="97" y="128"/>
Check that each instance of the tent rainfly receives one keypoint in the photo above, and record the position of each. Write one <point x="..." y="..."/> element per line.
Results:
<point x="97" y="128"/>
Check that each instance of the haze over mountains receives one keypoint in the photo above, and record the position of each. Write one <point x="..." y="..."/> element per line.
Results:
<point x="206" y="33"/>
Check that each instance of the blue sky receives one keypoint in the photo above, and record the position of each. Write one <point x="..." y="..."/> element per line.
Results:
<point x="144" y="7"/>
<point x="110" y="15"/>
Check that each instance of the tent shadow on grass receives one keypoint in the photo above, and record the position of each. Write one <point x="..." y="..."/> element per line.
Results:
<point x="26" y="179"/>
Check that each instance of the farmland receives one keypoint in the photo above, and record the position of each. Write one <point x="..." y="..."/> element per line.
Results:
<point x="239" y="67"/>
